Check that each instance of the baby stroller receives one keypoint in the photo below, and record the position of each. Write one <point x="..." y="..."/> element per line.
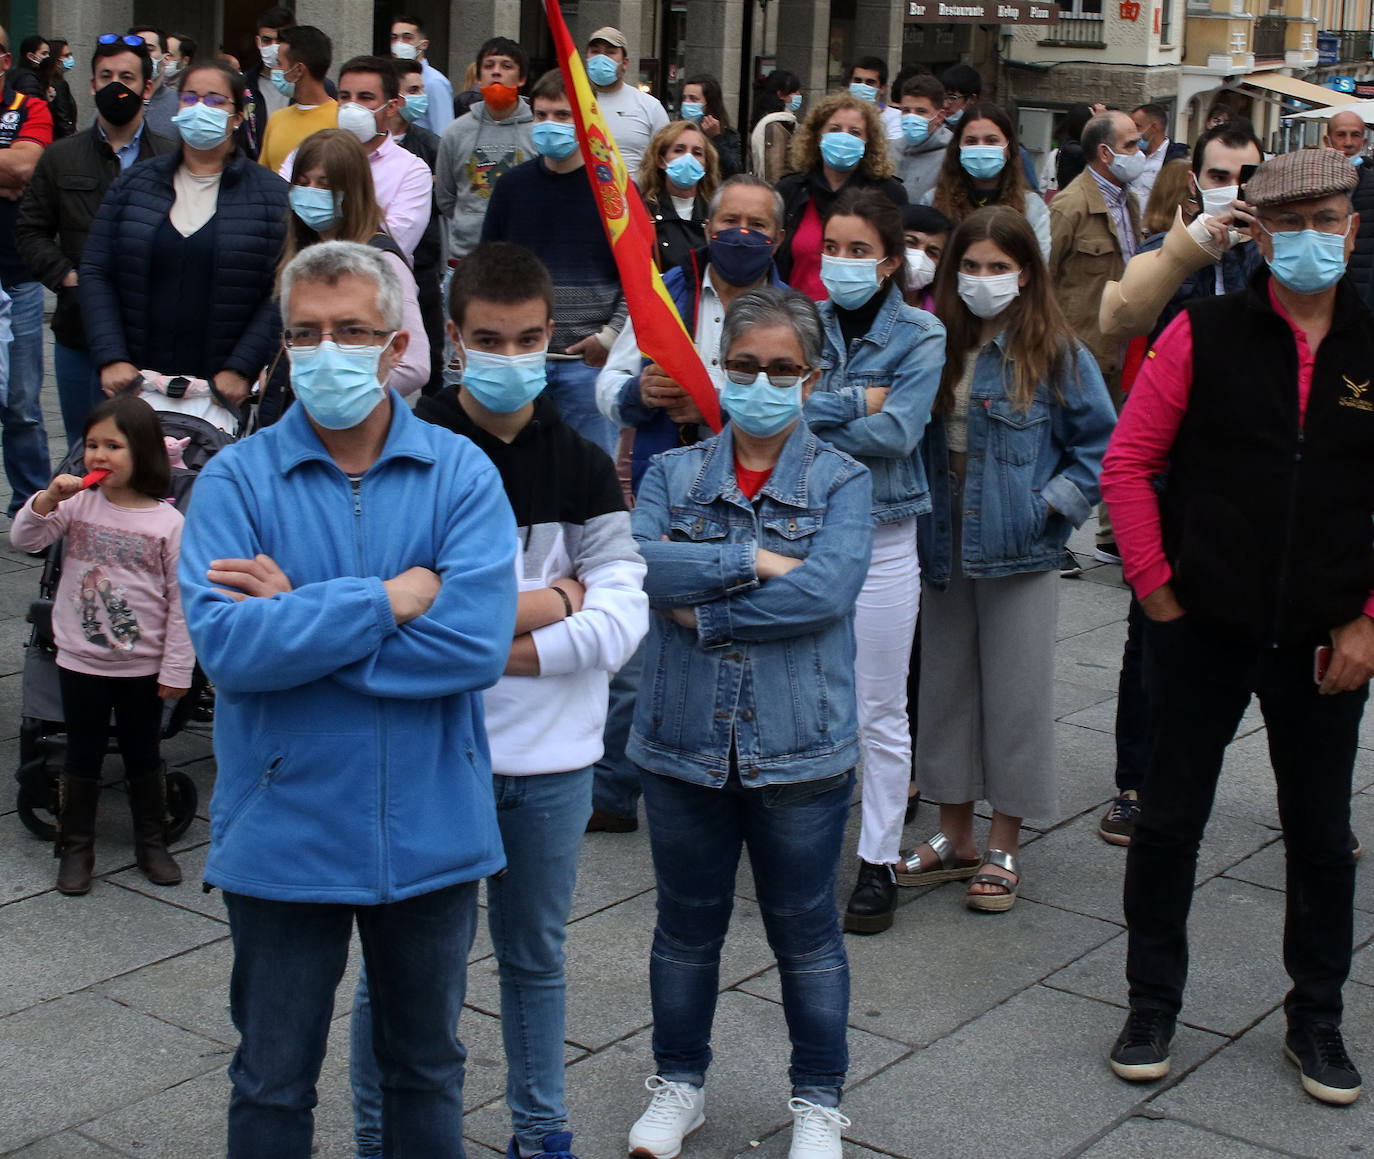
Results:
<point x="186" y="413"/>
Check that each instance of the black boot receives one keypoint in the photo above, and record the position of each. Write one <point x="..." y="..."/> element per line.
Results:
<point x="873" y="901"/>
<point x="148" y="804"/>
<point x="76" y="805"/>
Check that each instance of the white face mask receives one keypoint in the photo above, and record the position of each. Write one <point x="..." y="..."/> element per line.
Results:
<point x="403" y="51"/>
<point x="358" y="120"/>
<point x="1127" y="167"/>
<point x="920" y="270"/>
<point x="987" y="296"/>
<point x="1215" y="202"/>
<point x="268" y="52"/>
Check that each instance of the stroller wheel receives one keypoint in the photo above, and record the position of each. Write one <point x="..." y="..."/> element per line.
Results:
<point x="38" y="815"/>
<point x="182" y="799"/>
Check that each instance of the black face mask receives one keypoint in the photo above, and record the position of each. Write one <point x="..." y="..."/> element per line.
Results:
<point x="118" y="103"/>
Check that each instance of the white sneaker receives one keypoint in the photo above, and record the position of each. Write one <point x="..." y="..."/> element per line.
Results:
<point x="815" y="1130"/>
<point x="676" y="1110"/>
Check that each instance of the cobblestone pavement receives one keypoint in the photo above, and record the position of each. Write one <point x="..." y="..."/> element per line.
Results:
<point x="972" y="1035"/>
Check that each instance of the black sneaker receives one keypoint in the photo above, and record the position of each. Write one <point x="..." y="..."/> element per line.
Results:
<point x="1069" y="567"/>
<point x="1118" y="823"/>
<point x="1141" y="1051"/>
<point x="1107" y="552"/>
<point x="873" y="901"/>
<point x="1327" y="1072"/>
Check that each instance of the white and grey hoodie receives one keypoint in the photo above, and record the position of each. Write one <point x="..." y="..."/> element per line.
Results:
<point x="474" y="152"/>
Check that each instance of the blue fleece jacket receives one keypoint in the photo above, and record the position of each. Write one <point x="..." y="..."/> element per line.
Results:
<point x="353" y="763"/>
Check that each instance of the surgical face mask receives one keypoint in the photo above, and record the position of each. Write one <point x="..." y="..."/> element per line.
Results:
<point x="862" y="92"/>
<point x="338" y="388"/>
<point x="118" y="103"/>
<point x="202" y="127"/>
<point x="1357" y="160"/>
<point x="692" y="110"/>
<point x="987" y="296"/>
<point x="684" y="171"/>
<point x="1127" y="167"/>
<point x="794" y="102"/>
<point x="920" y="270"/>
<point x="416" y="106"/>
<point x="842" y="151"/>
<point x="1308" y="261"/>
<point x="1144" y="145"/>
<point x="602" y="69"/>
<point x="171" y="70"/>
<point x="358" y="120"/>
<point x="320" y="209"/>
<point x="268" y="52"/>
<point x="740" y="256"/>
<point x="759" y="408"/>
<point x="983" y="161"/>
<point x="68" y="63"/>
<point x="850" y="282"/>
<point x="503" y="383"/>
<point x="403" y="51"/>
<point x="287" y="88"/>
<point x="556" y="140"/>
<point x="955" y="117"/>
<point x="1215" y="202"/>
<point x="915" y="128"/>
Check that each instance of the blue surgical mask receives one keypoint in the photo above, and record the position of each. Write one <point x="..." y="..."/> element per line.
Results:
<point x="850" y="282"/>
<point x="1308" y="261"/>
<point x="955" y="117"/>
<point x="760" y="408"/>
<point x="692" y="110"/>
<point x="68" y="63"/>
<point x="287" y="88"/>
<point x="503" y="383"/>
<point x="684" y="171"/>
<point x="862" y="92"/>
<point x="338" y="388"/>
<point x="1144" y="145"/>
<point x="915" y="128"/>
<point x="842" y="151"/>
<point x="740" y="256"/>
<point x="983" y="161"/>
<point x="416" y="106"/>
<point x="320" y="209"/>
<point x="555" y="139"/>
<point x="794" y="102"/>
<point x="1357" y="160"/>
<point x="202" y="127"/>
<point x="602" y="69"/>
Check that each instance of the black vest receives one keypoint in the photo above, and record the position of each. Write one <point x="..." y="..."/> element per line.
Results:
<point x="1269" y="524"/>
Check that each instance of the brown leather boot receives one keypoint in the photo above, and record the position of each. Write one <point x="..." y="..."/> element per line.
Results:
<point x="76" y="805"/>
<point x="148" y="804"/>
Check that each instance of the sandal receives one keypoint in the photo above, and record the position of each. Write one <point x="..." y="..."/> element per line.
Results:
<point x="996" y="903"/>
<point x="949" y="868"/>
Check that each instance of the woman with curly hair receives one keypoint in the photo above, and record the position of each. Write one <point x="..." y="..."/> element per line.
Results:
<point x="677" y="176"/>
<point x="841" y="145"/>
<point x="982" y="167"/>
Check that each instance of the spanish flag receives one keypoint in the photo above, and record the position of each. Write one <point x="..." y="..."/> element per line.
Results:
<point x="658" y="329"/>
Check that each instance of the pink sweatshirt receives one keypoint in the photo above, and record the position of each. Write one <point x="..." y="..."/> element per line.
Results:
<point x="118" y="607"/>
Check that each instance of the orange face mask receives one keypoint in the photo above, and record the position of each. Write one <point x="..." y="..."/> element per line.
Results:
<point x="500" y="97"/>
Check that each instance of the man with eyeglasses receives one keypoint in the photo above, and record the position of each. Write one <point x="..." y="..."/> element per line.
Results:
<point x="60" y="203"/>
<point x="348" y="576"/>
<point x="1255" y="572"/>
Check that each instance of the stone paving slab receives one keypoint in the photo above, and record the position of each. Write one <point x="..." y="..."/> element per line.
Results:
<point x="1093" y="658"/>
<point x="1142" y="1138"/>
<point x="1086" y="760"/>
<point x="1083" y="607"/>
<point x="11" y="706"/>
<point x="1070" y="697"/>
<point x="1362" y="966"/>
<point x="189" y="894"/>
<point x="1102" y="716"/>
<point x="609" y="868"/>
<point x="67" y="1145"/>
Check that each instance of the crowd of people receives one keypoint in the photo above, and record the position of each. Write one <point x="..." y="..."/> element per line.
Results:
<point x="483" y="576"/>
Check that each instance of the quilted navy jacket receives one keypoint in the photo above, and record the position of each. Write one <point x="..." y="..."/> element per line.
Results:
<point x="242" y="322"/>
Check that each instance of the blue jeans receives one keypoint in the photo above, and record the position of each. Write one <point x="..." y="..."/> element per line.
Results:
<point x="288" y="960"/>
<point x="616" y="790"/>
<point x="542" y="820"/>
<point x="793" y="833"/>
<point x="78" y="388"/>
<point x="23" y="439"/>
<point x="572" y="386"/>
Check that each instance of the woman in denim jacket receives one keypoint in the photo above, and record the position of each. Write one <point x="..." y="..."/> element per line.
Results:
<point x="880" y="370"/>
<point x="756" y="543"/>
<point x="1013" y="452"/>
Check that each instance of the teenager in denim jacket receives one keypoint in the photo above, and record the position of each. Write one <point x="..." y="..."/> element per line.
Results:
<point x="1013" y="454"/>
<point x="756" y="543"/>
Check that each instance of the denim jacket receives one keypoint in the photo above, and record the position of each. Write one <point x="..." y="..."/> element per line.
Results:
<point x="904" y="350"/>
<point x="770" y="666"/>
<point x="1020" y="464"/>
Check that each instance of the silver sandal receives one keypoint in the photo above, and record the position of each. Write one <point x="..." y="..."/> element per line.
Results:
<point x="996" y="903"/>
<point x="950" y="867"/>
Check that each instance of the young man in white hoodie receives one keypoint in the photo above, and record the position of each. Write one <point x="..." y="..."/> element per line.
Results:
<point x="582" y="613"/>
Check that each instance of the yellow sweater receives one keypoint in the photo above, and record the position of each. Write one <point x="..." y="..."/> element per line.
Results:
<point x="288" y="127"/>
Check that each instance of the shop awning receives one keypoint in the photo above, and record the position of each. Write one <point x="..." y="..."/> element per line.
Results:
<point x="1290" y="86"/>
<point x="980" y="11"/>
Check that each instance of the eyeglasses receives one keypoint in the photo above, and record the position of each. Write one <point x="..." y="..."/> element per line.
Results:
<point x="1324" y="221"/>
<point x="347" y="337"/>
<point x="213" y="100"/>
<point x="781" y="373"/>
<point x="115" y="38"/>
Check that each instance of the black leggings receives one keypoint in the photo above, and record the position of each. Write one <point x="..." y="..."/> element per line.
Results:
<point x="87" y="702"/>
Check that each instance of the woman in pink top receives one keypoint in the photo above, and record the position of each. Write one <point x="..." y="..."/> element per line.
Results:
<point x="122" y="644"/>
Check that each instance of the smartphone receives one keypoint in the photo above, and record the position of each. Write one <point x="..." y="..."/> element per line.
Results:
<point x="1246" y="172"/>
<point x="1321" y="661"/>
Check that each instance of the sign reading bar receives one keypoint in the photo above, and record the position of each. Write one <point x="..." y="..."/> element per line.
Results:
<point x="981" y="11"/>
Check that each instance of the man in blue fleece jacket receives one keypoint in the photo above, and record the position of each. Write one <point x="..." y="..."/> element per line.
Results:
<point x="349" y="581"/>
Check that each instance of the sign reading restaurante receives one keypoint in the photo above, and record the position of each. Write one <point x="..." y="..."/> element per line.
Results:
<point x="980" y="12"/>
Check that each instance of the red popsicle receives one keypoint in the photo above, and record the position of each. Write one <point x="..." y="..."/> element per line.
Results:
<point x="91" y="478"/>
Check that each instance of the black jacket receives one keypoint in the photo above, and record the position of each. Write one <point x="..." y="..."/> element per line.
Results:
<point x="798" y="190"/>
<point x="676" y="236"/>
<point x="1361" y="268"/>
<point x="1267" y="523"/>
<point x="424" y="144"/>
<point x="57" y="209"/>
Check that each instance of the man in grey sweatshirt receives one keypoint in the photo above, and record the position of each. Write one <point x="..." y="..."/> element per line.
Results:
<point x="920" y="151"/>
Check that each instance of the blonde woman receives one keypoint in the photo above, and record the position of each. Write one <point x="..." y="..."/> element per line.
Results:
<point x="840" y="145"/>
<point x="677" y="178"/>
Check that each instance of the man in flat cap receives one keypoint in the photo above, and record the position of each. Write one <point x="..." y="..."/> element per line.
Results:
<point x="1254" y="564"/>
<point x="632" y="116"/>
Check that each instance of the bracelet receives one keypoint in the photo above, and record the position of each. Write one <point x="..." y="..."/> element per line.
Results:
<point x="567" y="603"/>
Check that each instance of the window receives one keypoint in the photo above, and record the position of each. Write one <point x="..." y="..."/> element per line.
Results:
<point x="1166" y="22"/>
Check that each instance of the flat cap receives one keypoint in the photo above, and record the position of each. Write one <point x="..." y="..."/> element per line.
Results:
<point x="1301" y="175"/>
<point x="611" y="36"/>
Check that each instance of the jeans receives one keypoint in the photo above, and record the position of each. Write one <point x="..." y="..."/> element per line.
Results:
<point x="1199" y="687"/>
<point x="616" y="788"/>
<point x="23" y="439"/>
<point x="78" y="388"/>
<point x="288" y="960"/>
<point x="572" y="385"/>
<point x="87" y="702"/>
<point x="1132" y="706"/>
<point x="793" y="832"/>
<point x="542" y="820"/>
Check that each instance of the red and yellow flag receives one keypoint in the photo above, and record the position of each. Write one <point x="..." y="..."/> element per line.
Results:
<point x="658" y="329"/>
